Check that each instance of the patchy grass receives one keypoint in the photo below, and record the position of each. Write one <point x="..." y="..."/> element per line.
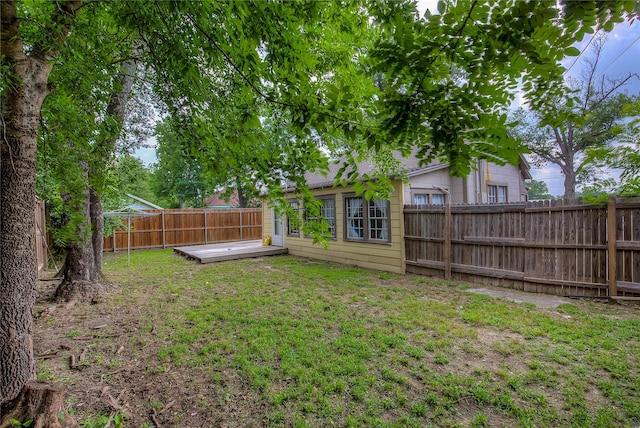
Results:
<point x="284" y="341"/>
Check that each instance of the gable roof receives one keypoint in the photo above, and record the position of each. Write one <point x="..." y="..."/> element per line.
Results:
<point x="144" y="202"/>
<point x="216" y="200"/>
<point x="411" y="164"/>
<point x="317" y="180"/>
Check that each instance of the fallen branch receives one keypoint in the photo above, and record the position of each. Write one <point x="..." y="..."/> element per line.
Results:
<point x="74" y="365"/>
<point x="153" y="415"/>
<point x="46" y="355"/>
<point x="113" y="403"/>
<point x="167" y="406"/>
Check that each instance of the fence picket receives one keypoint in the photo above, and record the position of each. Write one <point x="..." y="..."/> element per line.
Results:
<point x="173" y="228"/>
<point x="558" y="247"/>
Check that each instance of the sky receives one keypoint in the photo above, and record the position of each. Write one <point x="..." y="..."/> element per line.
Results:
<point x="620" y="57"/>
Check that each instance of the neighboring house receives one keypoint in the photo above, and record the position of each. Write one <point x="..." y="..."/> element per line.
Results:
<point x="370" y="233"/>
<point x="139" y="204"/>
<point x="217" y="201"/>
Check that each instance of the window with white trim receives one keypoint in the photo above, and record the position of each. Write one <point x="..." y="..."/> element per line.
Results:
<point x="497" y="194"/>
<point x="327" y="213"/>
<point x="420" y="198"/>
<point x="367" y="220"/>
<point x="293" y="223"/>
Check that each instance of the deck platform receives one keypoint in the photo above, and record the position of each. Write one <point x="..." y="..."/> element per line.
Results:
<point x="221" y="252"/>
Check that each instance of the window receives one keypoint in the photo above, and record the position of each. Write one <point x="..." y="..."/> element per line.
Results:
<point x="420" y="199"/>
<point x="497" y="194"/>
<point x="437" y="199"/>
<point x="293" y="222"/>
<point x="328" y="213"/>
<point x="428" y="198"/>
<point x="366" y="220"/>
<point x="354" y="217"/>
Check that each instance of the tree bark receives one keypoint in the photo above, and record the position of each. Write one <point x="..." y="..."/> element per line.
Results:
<point x="103" y="151"/>
<point x="83" y="278"/>
<point x="40" y="403"/>
<point x="79" y="281"/>
<point x="97" y="236"/>
<point x="21" y="104"/>
<point x="242" y="200"/>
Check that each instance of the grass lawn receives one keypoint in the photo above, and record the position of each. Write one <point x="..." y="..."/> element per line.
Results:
<point x="284" y="341"/>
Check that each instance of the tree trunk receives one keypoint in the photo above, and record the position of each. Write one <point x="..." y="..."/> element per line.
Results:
<point x="21" y="103"/>
<point x="103" y="152"/>
<point x="18" y="273"/>
<point x="569" y="184"/>
<point x="83" y="279"/>
<point x="81" y="282"/>
<point x="242" y="199"/>
<point x="97" y="236"/>
<point x="40" y="403"/>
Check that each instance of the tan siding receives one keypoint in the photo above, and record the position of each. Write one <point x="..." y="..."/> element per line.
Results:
<point x="267" y="220"/>
<point x="386" y="257"/>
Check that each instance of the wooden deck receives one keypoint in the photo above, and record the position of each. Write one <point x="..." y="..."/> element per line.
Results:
<point x="212" y="253"/>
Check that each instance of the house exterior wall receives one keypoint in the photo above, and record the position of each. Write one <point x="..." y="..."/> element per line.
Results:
<point x="380" y="256"/>
<point x="267" y="220"/>
<point x="504" y="175"/>
<point x="472" y="189"/>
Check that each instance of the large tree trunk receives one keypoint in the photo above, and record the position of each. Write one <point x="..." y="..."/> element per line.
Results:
<point x="20" y="110"/>
<point x="103" y="151"/>
<point x="21" y="104"/>
<point x="97" y="236"/>
<point x="41" y="404"/>
<point x="570" y="185"/>
<point x="79" y="281"/>
<point x="83" y="279"/>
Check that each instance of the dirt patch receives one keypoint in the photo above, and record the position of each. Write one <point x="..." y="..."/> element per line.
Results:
<point x="88" y="347"/>
<point x="546" y="301"/>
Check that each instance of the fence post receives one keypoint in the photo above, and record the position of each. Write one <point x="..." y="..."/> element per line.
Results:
<point x="446" y="249"/>
<point x="164" y="241"/>
<point x="206" y="233"/>
<point x="611" y="246"/>
<point x="241" y="224"/>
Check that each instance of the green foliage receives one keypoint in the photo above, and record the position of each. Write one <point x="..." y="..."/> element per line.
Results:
<point x="17" y="423"/>
<point x="538" y="190"/>
<point x="624" y="156"/>
<point x="132" y="176"/>
<point x="258" y="92"/>
<point x="177" y="178"/>
<point x="579" y="130"/>
<point x="116" y="420"/>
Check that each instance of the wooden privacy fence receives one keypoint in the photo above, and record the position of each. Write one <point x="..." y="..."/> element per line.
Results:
<point x="174" y="228"/>
<point x="556" y="247"/>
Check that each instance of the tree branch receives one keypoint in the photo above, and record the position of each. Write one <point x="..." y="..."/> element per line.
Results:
<point x="455" y="46"/>
<point x="611" y="90"/>
<point x="257" y="90"/>
<point x="60" y="18"/>
<point x="10" y="42"/>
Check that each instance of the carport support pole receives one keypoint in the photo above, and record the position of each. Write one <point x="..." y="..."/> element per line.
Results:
<point x="611" y="246"/>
